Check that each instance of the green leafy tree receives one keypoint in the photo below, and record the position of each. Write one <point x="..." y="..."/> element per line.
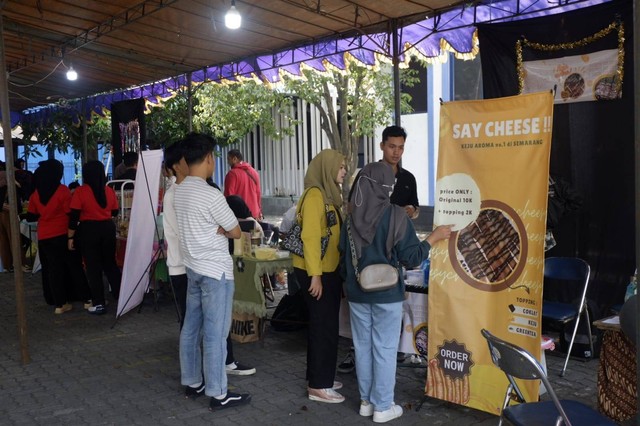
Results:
<point x="169" y="121"/>
<point x="364" y="101"/>
<point x="229" y="112"/>
<point x="62" y="131"/>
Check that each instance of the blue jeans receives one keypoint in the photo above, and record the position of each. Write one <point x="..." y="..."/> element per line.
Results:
<point x="376" y="333"/>
<point x="207" y="321"/>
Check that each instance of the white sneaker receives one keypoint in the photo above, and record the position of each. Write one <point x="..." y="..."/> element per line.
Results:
<point x="366" y="408"/>
<point x="384" y="416"/>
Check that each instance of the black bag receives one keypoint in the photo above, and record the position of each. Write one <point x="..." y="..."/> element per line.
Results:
<point x="291" y="313"/>
<point x="293" y="240"/>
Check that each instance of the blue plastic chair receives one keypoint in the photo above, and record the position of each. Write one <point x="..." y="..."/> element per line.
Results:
<point x="517" y="363"/>
<point x="568" y="270"/>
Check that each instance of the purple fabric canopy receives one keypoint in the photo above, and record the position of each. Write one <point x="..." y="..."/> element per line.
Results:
<point x="452" y="30"/>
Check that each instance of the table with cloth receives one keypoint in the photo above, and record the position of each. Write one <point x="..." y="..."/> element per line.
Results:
<point x="413" y="339"/>
<point x="249" y="294"/>
<point x="617" y="385"/>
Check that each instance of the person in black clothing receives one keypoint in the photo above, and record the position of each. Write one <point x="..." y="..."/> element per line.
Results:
<point x="63" y="279"/>
<point x="405" y="192"/>
<point x="130" y="160"/>
<point x="24" y="179"/>
<point x="92" y="207"/>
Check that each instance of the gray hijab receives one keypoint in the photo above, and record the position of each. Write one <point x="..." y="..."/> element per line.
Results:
<point x="369" y="201"/>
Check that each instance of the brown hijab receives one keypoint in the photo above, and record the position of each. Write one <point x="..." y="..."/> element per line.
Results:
<point x="322" y="173"/>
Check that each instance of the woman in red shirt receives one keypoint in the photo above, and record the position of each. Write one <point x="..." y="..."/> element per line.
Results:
<point x="49" y="205"/>
<point x="93" y="206"/>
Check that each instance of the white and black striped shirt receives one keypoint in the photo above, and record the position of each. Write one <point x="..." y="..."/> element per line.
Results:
<point x="200" y="210"/>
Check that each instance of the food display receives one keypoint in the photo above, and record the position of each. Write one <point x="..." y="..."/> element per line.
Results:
<point x="573" y="86"/>
<point x="489" y="247"/>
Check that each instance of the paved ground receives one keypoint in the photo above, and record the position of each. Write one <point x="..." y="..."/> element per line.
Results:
<point x="91" y="370"/>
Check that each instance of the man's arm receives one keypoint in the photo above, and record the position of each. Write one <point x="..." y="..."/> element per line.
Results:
<point x="234" y="234"/>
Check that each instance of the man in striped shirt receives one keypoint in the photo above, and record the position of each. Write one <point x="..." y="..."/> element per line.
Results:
<point x="205" y="222"/>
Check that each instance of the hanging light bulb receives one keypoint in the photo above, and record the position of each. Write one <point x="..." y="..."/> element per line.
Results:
<point x="233" y="19"/>
<point x="72" y="75"/>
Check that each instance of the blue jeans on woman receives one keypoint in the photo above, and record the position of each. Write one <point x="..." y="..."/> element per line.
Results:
<point x="376" y="334"/>
<point x="208" y="319"/>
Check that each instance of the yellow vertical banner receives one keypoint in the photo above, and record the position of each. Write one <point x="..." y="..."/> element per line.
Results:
<point x="492" y="184"/>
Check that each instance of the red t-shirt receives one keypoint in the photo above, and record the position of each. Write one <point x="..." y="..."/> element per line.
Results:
<point x="54" y="217"/>
<point x="84" y="201"/>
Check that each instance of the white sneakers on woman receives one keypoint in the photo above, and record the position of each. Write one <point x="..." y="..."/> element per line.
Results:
<point x="384" y="416"/>
<point x="366" y="408"/>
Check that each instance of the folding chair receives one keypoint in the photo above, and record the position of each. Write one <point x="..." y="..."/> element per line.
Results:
<point x="517" y="363"/>
<point x="568" y="270"/>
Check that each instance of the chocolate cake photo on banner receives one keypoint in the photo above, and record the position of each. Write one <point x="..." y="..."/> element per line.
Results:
<point x="587" y="55"/>
<point x="493" y="167"/>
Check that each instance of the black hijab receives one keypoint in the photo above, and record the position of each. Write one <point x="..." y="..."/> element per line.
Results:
<point x="48" y="176"/>
<point x="239" y="207"/>
<point x="93" y="175"/>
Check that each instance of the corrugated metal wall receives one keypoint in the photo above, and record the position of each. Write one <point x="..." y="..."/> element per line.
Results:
<point x="282" y="164"/>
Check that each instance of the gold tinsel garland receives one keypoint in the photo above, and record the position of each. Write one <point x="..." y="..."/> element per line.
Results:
<point x="580" y="43"/>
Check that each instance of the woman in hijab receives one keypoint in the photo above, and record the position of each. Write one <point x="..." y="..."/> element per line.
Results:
<point x="381" y="233"/>
<point x="318" y="275"/>
<point x="93" y="206"/>
<point x="49" y="206"/>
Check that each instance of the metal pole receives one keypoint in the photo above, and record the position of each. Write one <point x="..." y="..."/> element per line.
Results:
<point x="189" y="103"/>
<point x="636" y="114"/>
<point x="83" y="117"/>
<point x="13" y="204"/>
<point x="395" y="49"/>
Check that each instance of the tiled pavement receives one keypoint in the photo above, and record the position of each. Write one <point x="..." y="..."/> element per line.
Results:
<point x="92" y="370"/>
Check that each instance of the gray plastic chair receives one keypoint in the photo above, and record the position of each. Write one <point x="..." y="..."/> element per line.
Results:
<point x="517" y="363"/>
<point x="568" y="270"/>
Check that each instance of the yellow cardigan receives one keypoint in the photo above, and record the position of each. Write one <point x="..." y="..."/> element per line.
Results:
<point x="314" y="226"/>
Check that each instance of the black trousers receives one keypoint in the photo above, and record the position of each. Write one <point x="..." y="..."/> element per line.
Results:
<point x="65" y="277"/>
<point x="180" y="283"/>
<point x="97" y="242"/>
<point x="322" y="338"/>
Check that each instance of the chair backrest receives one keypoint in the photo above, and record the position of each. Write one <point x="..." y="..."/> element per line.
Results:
<point x="567" y="268"/>
<point x="511" y="359"/>
<point x="517" y="362"/>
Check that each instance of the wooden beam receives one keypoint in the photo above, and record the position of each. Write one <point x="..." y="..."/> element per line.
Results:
<point x="13" y="207"/>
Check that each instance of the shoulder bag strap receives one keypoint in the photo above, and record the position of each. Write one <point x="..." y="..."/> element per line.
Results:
<point x="352" y="246"/>
<point x="326" y="218"/>
<point x="250" y="177"/>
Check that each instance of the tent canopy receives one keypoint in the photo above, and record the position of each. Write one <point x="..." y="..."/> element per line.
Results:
<point x="152" y="45"/>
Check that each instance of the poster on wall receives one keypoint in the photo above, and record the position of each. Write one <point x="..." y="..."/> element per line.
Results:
<point x="493" y="169"/>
